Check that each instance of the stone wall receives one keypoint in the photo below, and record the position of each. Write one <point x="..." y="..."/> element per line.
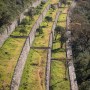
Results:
<point x="48" y="65"/>
<point x="24" y="53"/>
<point x="14" y="24"/>
<point x="72" y="75"/>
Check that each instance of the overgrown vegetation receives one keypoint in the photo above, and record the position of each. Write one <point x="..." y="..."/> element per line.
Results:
<point x="10" y="51"/>
<point x="80" y="26"/>
<point x="11" y="9"/>
<point x="46" y="26"/>
<point x="59" y="74"/>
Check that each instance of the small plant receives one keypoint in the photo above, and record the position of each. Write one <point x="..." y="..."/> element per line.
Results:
<point x="58" y="30"/>
<point x="2" y="29"/>
<point x="68" y="3"/>
<point x="40" y="30"/>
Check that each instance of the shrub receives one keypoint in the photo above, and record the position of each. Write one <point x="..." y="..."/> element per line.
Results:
<point x="48" y="19"/>
<point x="40" y="30"/>
<point x="25" y="21"/>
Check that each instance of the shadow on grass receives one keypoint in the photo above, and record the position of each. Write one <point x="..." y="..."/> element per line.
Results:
<point x="58" y="50"/>
<point x="44" y="26"/>
<point x="12" y="36"/>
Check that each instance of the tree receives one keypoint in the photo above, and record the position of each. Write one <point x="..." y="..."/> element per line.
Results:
<point x="48" y="19"/>
<point x="52" y="7"/>
<point x="63" y="38"/>
<point x="80" y="27"/>
<point x="40" y="30"/>
<point x="58" y="30"/>
<point x="31" y="12"/>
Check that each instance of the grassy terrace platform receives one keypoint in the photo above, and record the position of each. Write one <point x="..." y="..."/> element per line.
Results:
<point x="58" y="66"/>
<point x="43" y="39"/>
<point x="10" y="51"/>
<point x="30" y="22"/>
<point x="33" y="77"/>
<point x="34" y="72"/>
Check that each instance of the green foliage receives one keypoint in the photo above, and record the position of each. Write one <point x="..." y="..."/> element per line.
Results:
<point x="31" y="12"/>
<point x="25" y="21"/>
<point x="40" y="30"/>
<point x="58" y="30"/>
<point x="2" y="29"/>
<point x="42" y="3"/>
<point x="81" y="43"/>
<point x="48" y="18"/>
<point x="52" y="7"/>
<point x="63" y="38"/>
<point x="23" y="31"/>
<point x="10" y="9"/>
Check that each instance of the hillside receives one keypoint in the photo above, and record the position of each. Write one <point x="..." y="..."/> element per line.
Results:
<point x="80" y="27"/>
<point x="44" y="44"/>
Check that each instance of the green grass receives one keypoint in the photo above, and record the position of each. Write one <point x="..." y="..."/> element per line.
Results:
<point x="62" y="18"/>
<point x="58" y="52"/>
<point x="33" y="77"/>
<point x="58" y="81"/>
<point x="43" y="39"/>
<point x="59" y="73"/>
<point x="9" y="54"/>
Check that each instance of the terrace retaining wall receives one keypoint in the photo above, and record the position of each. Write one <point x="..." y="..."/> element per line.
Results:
<point x="48" y="65"/>
<point x="72" y="75"/>
<point x="15" y="23"/>
<point x="24" y="53"/>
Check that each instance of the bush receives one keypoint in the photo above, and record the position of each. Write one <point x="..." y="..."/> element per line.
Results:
<point x="42" y="2"/>
<point x="25" y="21"/>
<point x="52" y="7"/>
<point x="23" y="31"/>
<point x="48" y="18"/>
<point x="40" y="30"/>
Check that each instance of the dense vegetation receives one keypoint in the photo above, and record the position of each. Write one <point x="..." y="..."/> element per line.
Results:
<point x="11" y="49"/>
<point x="80" y="26"/>
<point x="59" y="74"/>
<point x="11" y="9"/>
